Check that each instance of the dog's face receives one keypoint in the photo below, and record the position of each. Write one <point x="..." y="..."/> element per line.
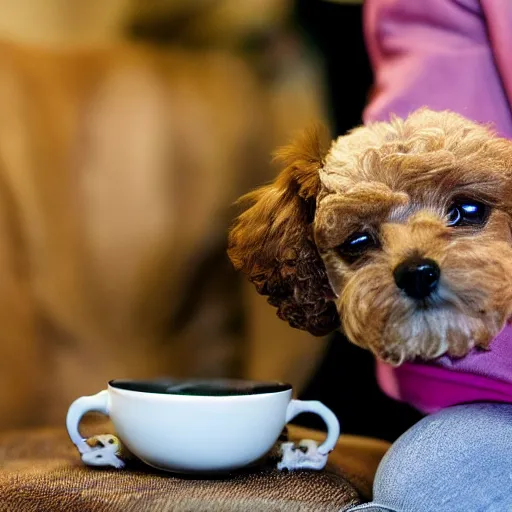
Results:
<point x="401" y="233"/>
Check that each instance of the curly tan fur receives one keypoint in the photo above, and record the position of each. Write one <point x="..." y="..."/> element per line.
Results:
<point x="272" y="242"/>
<point x="397" y="180"/>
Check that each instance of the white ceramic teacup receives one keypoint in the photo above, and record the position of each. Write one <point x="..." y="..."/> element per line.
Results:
<point x="201" y="426"/>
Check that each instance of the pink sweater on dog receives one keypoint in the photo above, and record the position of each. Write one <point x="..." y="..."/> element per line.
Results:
<point x="447" y="55"/>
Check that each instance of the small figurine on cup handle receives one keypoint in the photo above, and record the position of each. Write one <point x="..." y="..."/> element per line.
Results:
<point x="104" y="450"/>
<point x="304" y="455"/>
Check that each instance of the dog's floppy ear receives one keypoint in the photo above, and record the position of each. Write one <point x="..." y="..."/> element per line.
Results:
<point x="272" y="242"/>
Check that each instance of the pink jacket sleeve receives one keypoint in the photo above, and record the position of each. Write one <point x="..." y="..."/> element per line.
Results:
<point x="444" y="54"/>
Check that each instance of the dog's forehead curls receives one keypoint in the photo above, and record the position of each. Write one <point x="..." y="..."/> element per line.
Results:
<point x="410" y="242"/>
<point x="432" y="150"/>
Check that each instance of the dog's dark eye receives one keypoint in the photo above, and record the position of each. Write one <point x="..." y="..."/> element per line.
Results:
<point x="467" y="213"/>
<point x="357" y="245"/>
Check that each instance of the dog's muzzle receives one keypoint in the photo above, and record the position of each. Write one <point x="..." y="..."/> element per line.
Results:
<point x="417" y="277"/>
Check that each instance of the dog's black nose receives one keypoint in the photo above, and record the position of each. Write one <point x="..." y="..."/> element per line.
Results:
<point x="417" y="277"/>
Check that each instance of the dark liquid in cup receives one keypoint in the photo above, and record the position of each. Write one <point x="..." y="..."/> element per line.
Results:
<point x="209" y="387"/>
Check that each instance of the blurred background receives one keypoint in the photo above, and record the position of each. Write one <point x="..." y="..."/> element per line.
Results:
<point x="128" y="129"/>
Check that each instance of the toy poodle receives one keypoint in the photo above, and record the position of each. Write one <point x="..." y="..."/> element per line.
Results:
<point x="398" y="233"/>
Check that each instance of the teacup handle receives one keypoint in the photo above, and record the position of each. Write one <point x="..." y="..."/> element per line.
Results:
<point x="78" y="409"/>
<point x="100" y="450"/>
<point x="296" y="407"/>
<point x="307" y="455"/>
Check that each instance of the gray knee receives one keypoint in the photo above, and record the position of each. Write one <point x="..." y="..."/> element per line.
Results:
<point x="461" y="455"/>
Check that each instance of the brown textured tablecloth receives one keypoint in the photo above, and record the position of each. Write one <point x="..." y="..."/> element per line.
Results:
<point x="41" y="471"/>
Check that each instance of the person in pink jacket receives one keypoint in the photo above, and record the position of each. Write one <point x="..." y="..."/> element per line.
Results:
<point x="447" y="55"/>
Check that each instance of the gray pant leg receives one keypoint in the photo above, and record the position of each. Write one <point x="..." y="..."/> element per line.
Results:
<point x="459" y="459"/>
